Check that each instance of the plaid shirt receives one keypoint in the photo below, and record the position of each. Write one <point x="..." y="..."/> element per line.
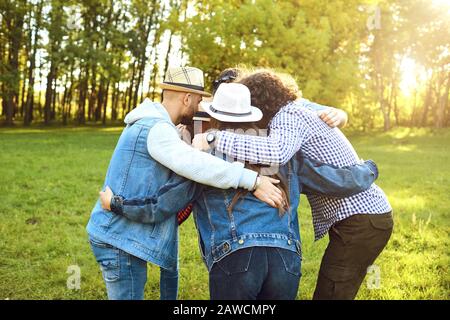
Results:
<point x="297" y="127"/>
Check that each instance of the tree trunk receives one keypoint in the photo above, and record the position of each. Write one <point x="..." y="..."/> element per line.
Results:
<point x="55" y="95"/>
<point x="105" y="104"/>
<point x="113" y="103"/>
<point x="49" y="93"/>
<point x="82" y="97"/>
<point x="28" y="112"/>
<point x="166" y="65"/>
<point x="154" y="76"/>
<point x="427" y="102"/>
<point x="443" y="103"/>
<point x="130" y="92"/>
<point x="13" y="19"/>
<point x="100" y="97"/>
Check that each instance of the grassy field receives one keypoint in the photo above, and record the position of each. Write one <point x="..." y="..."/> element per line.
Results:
<point x="50" y="180"/>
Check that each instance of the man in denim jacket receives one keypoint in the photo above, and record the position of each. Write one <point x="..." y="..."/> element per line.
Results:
<point x="147" y="152"/>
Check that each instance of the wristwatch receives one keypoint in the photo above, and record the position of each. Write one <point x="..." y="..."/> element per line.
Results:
<point x="211" y="137"/>
<point x="257" y="182"/>
<point x="116" y="204"/>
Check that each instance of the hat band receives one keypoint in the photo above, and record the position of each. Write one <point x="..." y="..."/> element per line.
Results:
<point x="201" y="114"/>
<point x="185" y="85"/>
<point x="230" y="113"/>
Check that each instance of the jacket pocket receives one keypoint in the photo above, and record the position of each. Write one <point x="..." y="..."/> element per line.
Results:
<point x="236" y="262"/>
<point x="108" y="258"/>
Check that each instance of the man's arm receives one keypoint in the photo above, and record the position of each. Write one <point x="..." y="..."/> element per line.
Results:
<point x="287" y="133"/>
<point x="174" y="196"/>
<point x="166" y="147"/>
<point x="284" y="140"/>
<point x="324" y="179"/>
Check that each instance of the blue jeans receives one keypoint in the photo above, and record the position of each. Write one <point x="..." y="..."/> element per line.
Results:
<point x="125" y="275"/>
<point x="256" y="273"/>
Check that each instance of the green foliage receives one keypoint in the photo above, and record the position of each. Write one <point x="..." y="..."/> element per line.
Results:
<point x="328" y="47"/>
<point x="109" y="54"/>
<point x="315" y="41"/>
<point x="51" y="178"/>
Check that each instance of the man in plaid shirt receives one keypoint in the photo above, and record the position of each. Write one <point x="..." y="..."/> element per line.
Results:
<point x="359" y="226"/>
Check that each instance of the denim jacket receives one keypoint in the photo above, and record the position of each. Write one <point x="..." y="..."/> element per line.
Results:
<point x="147" y="150"/>
<point x="251" y="222"/>
<point x="133" y="173"/>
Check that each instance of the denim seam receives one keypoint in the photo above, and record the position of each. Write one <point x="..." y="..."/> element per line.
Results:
<point x="213" y="230"/>
<point x="231" y="217"/>
<point x="125" y="179"/>
<point x="246" y="267"/>
<point x="284" y="262"/>
<point x="131" y="276"/>
<point x="199" y="238"/>
<point x="289" y="212"/>
<point x="117" y="265"/>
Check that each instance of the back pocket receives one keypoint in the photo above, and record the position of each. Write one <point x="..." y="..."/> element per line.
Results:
<point x="291" y="260"/>
<point x="236" y="262"/>
<point x="108" y="258"/>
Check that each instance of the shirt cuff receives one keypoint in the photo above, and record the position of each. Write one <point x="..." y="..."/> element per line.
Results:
<point x="248" y="179"/>
<point x="373" y="167"/>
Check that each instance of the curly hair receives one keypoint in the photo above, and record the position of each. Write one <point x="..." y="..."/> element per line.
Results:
<point x="270" y="91"/>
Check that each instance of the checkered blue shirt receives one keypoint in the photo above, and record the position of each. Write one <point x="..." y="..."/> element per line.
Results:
<point x="297" y="127"/>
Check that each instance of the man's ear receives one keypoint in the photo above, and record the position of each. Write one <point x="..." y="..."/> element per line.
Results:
<point x="186" y="99"/>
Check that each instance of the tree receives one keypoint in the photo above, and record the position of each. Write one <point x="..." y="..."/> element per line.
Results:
<point x="35" y="13"/>
<point x="13" y="14"/>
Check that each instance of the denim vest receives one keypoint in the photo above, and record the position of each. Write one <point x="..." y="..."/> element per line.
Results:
<point x="133" y="173"/>
<point x="250" y="223"/>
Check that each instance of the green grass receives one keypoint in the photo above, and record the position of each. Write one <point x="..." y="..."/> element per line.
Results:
<point x="50" y="179"/>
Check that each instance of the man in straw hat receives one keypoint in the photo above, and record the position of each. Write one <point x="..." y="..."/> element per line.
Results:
<point x="148" y="151"/>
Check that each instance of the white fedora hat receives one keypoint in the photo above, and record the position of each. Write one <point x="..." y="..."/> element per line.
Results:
<point x="185" y="79"/>
<point x="232" y="103"/>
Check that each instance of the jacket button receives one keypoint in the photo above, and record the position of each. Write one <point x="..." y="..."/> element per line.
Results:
<point x="241" y="241"/>
<point x="226" y="246"/>
<point x="289" y="242"/>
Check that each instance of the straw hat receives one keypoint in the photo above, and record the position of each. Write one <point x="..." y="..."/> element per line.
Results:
<point x="185" y="79"/>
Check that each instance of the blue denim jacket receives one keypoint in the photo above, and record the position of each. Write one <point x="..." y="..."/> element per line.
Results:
<point x="251" y="222"/>
<point x="133" y="172"/>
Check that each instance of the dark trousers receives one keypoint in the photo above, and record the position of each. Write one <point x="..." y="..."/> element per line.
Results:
<point x="256" y="273"/>
<point x="354" y="245"/>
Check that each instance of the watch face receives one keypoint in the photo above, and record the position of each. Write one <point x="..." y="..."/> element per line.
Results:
<point x="210" y="137"/>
